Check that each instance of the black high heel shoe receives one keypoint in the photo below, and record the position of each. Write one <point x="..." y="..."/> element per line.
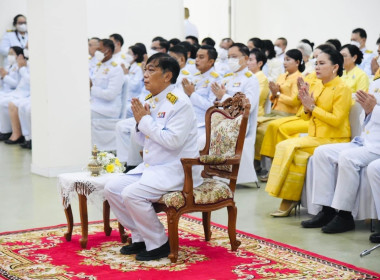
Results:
<point x="19" y="140"/>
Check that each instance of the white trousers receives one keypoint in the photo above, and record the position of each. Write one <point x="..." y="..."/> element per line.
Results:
<point x="131" y="202"/>
<point x="373" y="173"/>
<point x="348" y="159"/>
<point x="24" y="114"/>
<point x="5" y="121"/>
<point x="127" y="149"/>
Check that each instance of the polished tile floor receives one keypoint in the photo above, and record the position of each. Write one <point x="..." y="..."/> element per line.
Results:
<point x="29" y="201"/>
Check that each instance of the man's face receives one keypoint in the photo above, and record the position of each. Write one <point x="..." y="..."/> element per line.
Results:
<point x="92" y="46"/>
<point x="156" y="46"/>
<point x="103" y="49"/>
<point x="356" y="37"/>
<point x="225" y="44"/>
<point x="116" y="43"/>
<point x="202" y="62"/>
<point x="154" y="78"/>
<point x="378" y="49"/>
<point x="280" y="44"/>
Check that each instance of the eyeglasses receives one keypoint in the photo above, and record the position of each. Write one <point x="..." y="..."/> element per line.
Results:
<point x="156" y="48"/>
<point x="21" y="22"/>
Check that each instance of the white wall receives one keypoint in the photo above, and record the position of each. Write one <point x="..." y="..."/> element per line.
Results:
<point x="211" y="17"/>
<point x="299" y="19"/>
<point x="8" y="10"/>
<point x="135" y="20"/>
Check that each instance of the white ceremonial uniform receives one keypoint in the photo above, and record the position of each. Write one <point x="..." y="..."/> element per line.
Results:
<point x="221" y="66"/>
<point x="24" y="114"/>
<point x="107" y="83"/>
<point x="11" y="80"/>
<point x="190" y="66"/>
<point x="135" y="84"/>
<point x="203" y="97"/>
<point x="183" y="73"/>
<point x="273" y="69"/>
<point x="246" y="82"/>
<point x="127" y="149"/>
<point x="167" y="134"/>
<point x="10" y="39"/>
<point x="122" y="58"/>
<point x="22" y="91"/>
<point x="92" y="64"/>
<point x="366" y="62"/>
<point x="373" y="174"/>
<point x="348" y="159"/>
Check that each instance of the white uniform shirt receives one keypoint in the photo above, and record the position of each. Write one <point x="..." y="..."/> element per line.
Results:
<point x="11" y="80"/>
<point x="371" y="131"/>
<point x="106" y="89"/>
<point x="121" y="58"/>
<point x="135" y="81"/>
<point x="168" y="134"/>
<point x="366" y="62"/>
<point x="273" y="69"/>
<point x="221" y="66"/>
<point x="92" y="61"/>
<point x="190" y="66"/>
<point x="11" y="39"/>
<point x="203" y="97"/>
<point x="183" y="73"/>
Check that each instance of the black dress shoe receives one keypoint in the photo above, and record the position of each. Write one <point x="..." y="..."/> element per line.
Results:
<point x="375" y="237"/>
<point x="129" y="167"/>
<point x="21" y="139"/>
<point x="133" y="248"/>
<point x="5" y="136"/>
<point x="319" y="220"/>
<point x="339" y="224"/>
<point x="27" y="145"/>
<point x="155" y="254"/>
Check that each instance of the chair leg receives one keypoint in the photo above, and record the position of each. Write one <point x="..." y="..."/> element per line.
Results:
<point x="106" y="218"/>
<point x="232" y="214"/>
<point x="70" y="223"/>
<point x="173" y="220"/>
<point x="123" y="236"/>
<point x="206" y="216"/>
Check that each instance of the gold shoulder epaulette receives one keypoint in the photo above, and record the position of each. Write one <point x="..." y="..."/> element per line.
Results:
<point x="113" y="63"/>
<point x="228" y="74"/>
<point x="197" y="74"/>
<point x="10" y="30"/>
<point x="123" y="56"/>
<point x="185" y="72"/>
<point x="214" y="74"/>
<point x="172" y="98"/>
<point x="190" y="61"/>
<point x="139" y="64"/>
<point x="99" y="63"/>
<point x="248" y="74"/>
<point x="368" y="51"/>
<point x="149" y="96"/>
<point x="89" y="57"/>
<point x="376" y="78"/>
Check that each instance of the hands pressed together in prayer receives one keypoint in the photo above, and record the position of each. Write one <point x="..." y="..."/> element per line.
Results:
<point x="218" y="90"/>
<point x="367" y="101"/>
<point x="188" y="87"/>
<point x="274" y="88"/>
<point x="307" y="99"/>
<point x="139" y="110"/>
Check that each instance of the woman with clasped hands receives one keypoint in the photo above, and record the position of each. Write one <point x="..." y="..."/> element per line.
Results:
<point x="327" y="108"/>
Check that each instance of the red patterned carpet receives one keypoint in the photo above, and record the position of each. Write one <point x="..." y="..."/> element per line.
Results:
<point x="45" y="254"/>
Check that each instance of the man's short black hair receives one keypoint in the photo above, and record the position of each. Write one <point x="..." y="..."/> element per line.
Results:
<point x="260" y="56"/>
<point x="195" y="39"/>
<point x="107" y="43"/>
<point x="166" y="63"/>
<point x="211" y="51"/>
<point x="164" y="44"/>
<point x="242" y="48"/>
<point x="208" y="41"/>
<point x="186" y="45"/>
<point x="95" y="38"/>
<point x="361" y="32"/>
<point x="118" y="38"/>
<point x="284" y="40"/>
<point x="180" y="50"/>
<point x="174" y="41"/>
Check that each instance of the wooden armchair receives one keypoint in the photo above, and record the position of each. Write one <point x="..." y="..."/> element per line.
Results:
<point x="225" y="135"/>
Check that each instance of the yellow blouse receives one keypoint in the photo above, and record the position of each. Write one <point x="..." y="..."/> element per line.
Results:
<point x="329" y="119"/>
<point x="288" y="101"/>
<point x="356" y="79"/>
<point x="264" y="90"/>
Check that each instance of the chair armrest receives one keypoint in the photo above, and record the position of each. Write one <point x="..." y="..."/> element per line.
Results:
<point x="211" y="160"/>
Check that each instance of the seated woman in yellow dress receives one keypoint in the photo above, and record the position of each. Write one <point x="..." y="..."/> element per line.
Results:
<point x="327" y="109"/>
<point x="256" y="61"/>
<point x="288" y="127"/>
<point x="284" y="96"/>
<point x="353" y="76"/>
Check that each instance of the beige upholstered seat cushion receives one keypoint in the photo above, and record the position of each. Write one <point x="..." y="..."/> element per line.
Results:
<point x="210" y="191"/>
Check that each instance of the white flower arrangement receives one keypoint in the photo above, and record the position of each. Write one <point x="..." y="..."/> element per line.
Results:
<point x="110" y="163"/>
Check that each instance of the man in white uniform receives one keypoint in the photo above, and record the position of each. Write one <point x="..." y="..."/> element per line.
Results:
<point x="280" y="47"/>
<point x="348" y="159"/>
<point x="93" y="45"/>
<point x="166" y="127"/>
<point x="359" y="38"/>
<point x="179" y="53"/>
<point x="106" y="84"/>
<point x="123" y="59"/>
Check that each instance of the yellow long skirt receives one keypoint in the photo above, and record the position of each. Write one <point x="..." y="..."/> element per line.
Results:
<point x="262" y="125"/>
<point x="287" y="174"/>
<point x="280" y="130"/>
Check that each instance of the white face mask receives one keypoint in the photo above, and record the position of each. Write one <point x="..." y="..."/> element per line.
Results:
<point x="355" y="44"/>
<point x="278" y="50"/>
<point x="99" y="55"/>
<point x="152" y="52"/>
<point x="128" y="58"/>
<point x="11" y="59"/>
<point x="234" y="64"/>
<point x="21" y="27"/>
<point x="222" y="54"/>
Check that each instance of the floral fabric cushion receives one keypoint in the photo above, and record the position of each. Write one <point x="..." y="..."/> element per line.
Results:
<point x="210" y="191"/>
<point x="224" y="134"/>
